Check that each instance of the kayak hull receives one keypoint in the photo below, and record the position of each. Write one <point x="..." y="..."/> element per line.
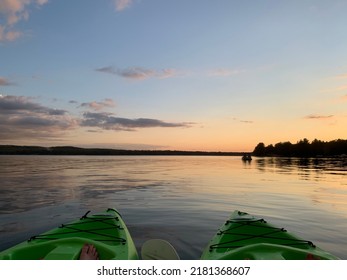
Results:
<point x="244" y="236"/>
<point x="106" y="231"/>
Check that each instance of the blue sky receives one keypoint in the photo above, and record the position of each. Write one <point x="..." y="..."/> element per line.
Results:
<point x="183" y="74"/>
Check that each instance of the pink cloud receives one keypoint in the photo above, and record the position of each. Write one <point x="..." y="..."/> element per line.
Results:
<point x="9" y="35"/>
<point x="138" y="73"/>
<point x="15" y="11"/>
<point x="5" y="82"/>
<point x="99" y="105"/>
<point x="122" y="4"/>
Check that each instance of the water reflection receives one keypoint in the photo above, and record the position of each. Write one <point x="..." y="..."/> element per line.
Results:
<point x="305" y="167"/>
<point x="32" y="182"/>
<point x="247" y="163"/>
<point x="173" y="198"/>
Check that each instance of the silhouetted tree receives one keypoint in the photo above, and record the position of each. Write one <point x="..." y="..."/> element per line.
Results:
<point x="338" y="147"/>
<point x="259" y="150"/>
<point x="270" y="150"/>
<point x="284" y="149"/>
<point x="302" y="148"/>
<point x="318" y="148"/>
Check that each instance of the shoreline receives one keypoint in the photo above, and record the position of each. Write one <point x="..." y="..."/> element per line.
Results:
<point x="70" y="150"/>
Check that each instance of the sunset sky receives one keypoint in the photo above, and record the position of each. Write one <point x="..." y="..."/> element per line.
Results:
<point x="213" y="75"/>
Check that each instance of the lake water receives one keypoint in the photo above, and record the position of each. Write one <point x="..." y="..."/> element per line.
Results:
<point x="180" y="199"/>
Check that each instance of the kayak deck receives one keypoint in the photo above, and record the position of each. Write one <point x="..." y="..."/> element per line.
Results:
<point x="106" y="231"/>
<point x="246" y="237"/>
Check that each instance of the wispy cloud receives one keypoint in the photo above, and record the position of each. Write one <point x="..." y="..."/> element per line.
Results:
<point x="246" y="121"/>
<point x="5" y="82"/>
<point x="7" y="34"/>
<point x="99" y="105"/>
<point x="243" y="121"/>
<point x="318" y="117"/>
<point x="142" y="73"/>
<point x="138" y="73"/>
<point x="15" y="11"/>
<point x="21" y="117"/>
<point x="121" y="5"/>
<point x="110" y="122"/>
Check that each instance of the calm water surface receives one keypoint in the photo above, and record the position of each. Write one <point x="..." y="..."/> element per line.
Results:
<point x="181" y="199"/>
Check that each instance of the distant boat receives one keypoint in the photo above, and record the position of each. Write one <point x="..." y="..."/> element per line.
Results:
<point x="246" y="157"/>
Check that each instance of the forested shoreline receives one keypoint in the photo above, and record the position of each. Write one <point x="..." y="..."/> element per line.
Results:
<point x="303" y="148"/>
<point x="69" y="150"/>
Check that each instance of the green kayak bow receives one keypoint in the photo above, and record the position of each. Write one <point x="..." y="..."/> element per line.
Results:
<point x="106" y="231"/>
<point x="246" y="237"/>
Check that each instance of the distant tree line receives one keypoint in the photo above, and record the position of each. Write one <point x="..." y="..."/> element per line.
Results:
<point x="68" y="150"/>
<point x="303" y="148"/>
